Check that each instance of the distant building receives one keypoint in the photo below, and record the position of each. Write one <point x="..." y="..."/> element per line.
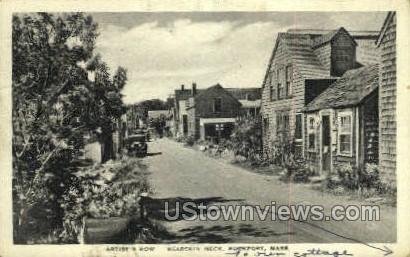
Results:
<point x="250" y="99"/>
<point x="212" y="113"/>
<point x="180" y="113"/>
<point x="303" y="64"/>
<point x="136" y="117"/>
<point x="387" y="99"/>
<point x="342" y="122"/>
<point x="185" y="121"/>
<point x="158" y="114"/>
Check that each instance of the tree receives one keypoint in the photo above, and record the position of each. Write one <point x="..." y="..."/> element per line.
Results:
<point x="154" y="105"/>
<point x="55" y="105"/>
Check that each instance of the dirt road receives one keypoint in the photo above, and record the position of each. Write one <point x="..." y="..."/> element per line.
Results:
<point x="179" y="173"/>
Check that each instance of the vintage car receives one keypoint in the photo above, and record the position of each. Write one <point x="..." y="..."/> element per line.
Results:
<point x="137" y="145"/>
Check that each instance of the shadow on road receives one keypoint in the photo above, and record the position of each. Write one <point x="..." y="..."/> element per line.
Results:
<point x="157" y="208"/>
<point x="207" y="233"/>
<point x="153" y="154"/>
<point x="218" y="234"/>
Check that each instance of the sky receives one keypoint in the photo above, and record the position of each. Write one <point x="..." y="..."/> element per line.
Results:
<point x="161" y="51"/>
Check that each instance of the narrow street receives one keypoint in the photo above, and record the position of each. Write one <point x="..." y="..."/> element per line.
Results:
<point x="179" y="172"/>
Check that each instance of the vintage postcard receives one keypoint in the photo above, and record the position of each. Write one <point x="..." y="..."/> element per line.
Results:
<point x="216" y="128"/>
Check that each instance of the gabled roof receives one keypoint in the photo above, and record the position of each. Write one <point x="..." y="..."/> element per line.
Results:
<point x="299" y="47"/>
<point x="349" y="90"/>
<point x="184" y="94"/>
<point x="323" y="39"/>
<point x="204" y="92"/>
<point x="356" y="34"/>
<point x="386" y="22"/>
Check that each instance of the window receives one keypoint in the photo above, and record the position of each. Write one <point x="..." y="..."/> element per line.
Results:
<point x="289" y="80"/>
<point x="345" y="133"/>
<point x="311" y="133"/>
<point x="281" y="87"/>
<point x="282" y="122"/>
<point x="217" y="104"/>
<point x="298" y="126"/>
<point x="272" y="88"/>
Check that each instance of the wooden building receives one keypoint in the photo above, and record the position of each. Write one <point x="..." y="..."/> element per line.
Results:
<point x="212" y="113"/>
<point x="342" y="122"/>
<point x="302" y="65"/>
<point x="180" y="114"/>
<point x="387" y="99"/>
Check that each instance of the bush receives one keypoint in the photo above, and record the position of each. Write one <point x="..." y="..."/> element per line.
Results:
<point x="348" y="176"/>
<point x="369" y="177"/>
<point x="189" y="141"/>
<point x="108" y="190"/>
<point x="246" y="140"/>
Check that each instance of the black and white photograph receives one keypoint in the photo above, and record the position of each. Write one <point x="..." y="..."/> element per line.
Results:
<point x="205" y="127"/>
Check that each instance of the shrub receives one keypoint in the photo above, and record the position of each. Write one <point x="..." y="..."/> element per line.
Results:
<point x="189" y="141"/>
<point x="348" y="176"/>
<point x="369" y="177"/>
<point x="246" y="140"/>
<point x="108" y="190"/>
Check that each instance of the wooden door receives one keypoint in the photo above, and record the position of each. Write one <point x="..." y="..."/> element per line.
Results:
<point x="326" y="143"/>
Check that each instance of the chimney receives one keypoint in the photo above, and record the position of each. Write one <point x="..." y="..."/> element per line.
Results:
<point x="182" y="87"/>
<point x="193" y="89"/>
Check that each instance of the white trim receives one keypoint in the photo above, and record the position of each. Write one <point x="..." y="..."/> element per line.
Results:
<point x="346" y="113"/>
<point x="203" y="121"/>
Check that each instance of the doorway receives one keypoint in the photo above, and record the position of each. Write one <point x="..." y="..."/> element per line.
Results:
<point x="326" y="143"/>
<point x="185" y="124"/>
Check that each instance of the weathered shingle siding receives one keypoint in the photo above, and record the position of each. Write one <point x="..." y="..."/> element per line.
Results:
<point x="387" y="103"/>
<point x="342" y="47"/>
<point x="366" y="51"/>
<point x="323" y="53"/>
<point x="292" y="105"/>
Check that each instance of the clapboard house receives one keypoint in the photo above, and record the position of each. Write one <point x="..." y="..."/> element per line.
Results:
<point x="342" y="123"/>
<point x="387" y="99"/>
<point x="303" y="64"/>
<point x="212" y="113"/>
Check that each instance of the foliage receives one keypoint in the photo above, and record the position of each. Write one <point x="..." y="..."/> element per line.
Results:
<point x="108" y="190"/>
<point x="156" y="104"/>
<point x="55" y="104"/>
<point x="189" y="140"/>
<point x="246" y="139"/>
<point x="369" y="176"/>
<point x="158" y="124"/>
<point x="345" y="178"/>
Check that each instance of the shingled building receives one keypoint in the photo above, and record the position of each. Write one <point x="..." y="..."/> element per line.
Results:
<point x="303" y="64"/>
<point x="342" y="122"/>
<point x="387" y="98"/>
